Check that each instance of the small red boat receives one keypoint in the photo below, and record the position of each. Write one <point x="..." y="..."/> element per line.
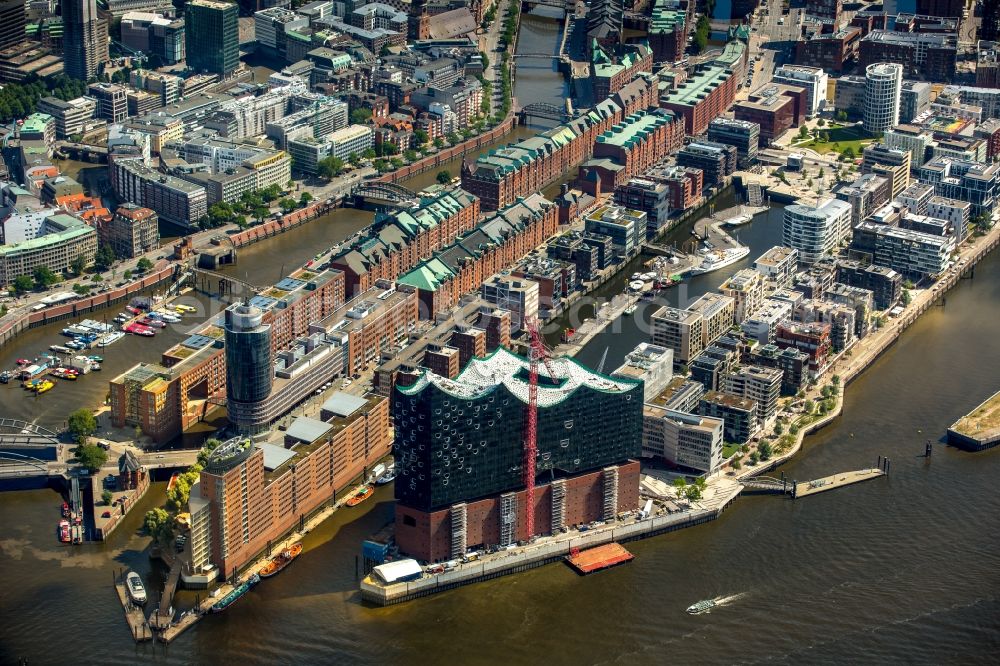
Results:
<point x="280" y="561"/>
<point x="136" y="328"/>
<point x="154" y="323"/>
<point x="65" y="510"/>
<point x="361" y="496"/>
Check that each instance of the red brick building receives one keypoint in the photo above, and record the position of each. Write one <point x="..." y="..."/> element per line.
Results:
<point x="812" y="339"/>
<point x="427" y="535"/>
<point x="708" y="93"/>
<point x="829" y="51"/>
<point x="776" y="110"/>
<point x="397" y="243"/>
<point x="500" y="176"/>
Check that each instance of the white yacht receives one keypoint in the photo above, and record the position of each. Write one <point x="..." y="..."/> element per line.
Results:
<point x="715" y="259"/>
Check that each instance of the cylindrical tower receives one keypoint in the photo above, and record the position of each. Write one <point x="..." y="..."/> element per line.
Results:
<point x="883" y="84"/>
<point x="249" y="367"/>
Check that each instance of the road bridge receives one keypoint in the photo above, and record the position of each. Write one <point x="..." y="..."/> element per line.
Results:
<point x="388" y="195"/>
<point x="226" y="282"/>
<point x="542" y="110"/>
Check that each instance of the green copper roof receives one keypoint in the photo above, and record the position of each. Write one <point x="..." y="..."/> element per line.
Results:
<point x="428" y="276"/>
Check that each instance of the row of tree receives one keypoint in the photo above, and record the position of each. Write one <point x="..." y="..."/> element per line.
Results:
<point x="18" y="100"/>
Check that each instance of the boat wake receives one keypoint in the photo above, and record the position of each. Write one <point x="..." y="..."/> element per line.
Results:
<point x="725" y="601"/>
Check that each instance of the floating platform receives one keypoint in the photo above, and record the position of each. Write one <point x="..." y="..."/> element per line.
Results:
<point x="980" y="428"/>
<point x="601" y="557"/>
<point x="835" y="481"/>
<point x="134" y="616"/>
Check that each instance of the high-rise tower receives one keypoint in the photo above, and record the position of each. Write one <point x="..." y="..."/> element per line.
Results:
<point x="212" y="36"/>
<point x="85" y="39"/>
<point x="883" y="84"/>
<point x="249" y="366"/>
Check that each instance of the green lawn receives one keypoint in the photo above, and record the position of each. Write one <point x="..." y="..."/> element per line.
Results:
<point x="841" y="138"/>
<point x="728" y="450"/>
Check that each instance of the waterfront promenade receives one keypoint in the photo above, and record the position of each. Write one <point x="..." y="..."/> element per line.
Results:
<point x="850" y="365"/>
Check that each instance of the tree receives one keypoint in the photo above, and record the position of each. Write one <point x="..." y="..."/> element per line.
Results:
<point x="841" y="115"/>
<point x="411" y="155"/>
<point x="753" y="459"/>
<point x="106" y="497"/>
<point x="808" y="406"/>
<point x="22" y="283"/>
<point x="330" y="167"/>
<point x="835" y="379"/>
<point x="906" y="297"/>
<point x="144" y="264"/>
<point x="287" y="205"/>
<point x="260" y="212"/>
<point x="369" y="154"/>
<point x="82" y="424"/>
<point x="848" y="153"/>
<point x="396" y="162"/>
<point x="736" y="464"/>
<point x="680" y="486"/>
<point x="821" y="172"/>
<point x="764" y="449"/>
<point x="44" y="277"/>
<point x="803" y="132"/>
<point x="438" y="142"/>
<point x="778" y="429"/>
<point x="421" y="137"/>
<point x="693" y="493"/>
<point x="444" y="177"/>
<point x="453" y="138"/>
<point x="91" y="456"/>
<point x="78" y="264"/>
<point x="820" y="123"/>
<point x="702" y="29"/>
<point x="360" y="116"/>
<point x="156" y="523"/>
<point x="305" y="199"/>
<point x="210" y="445"/>
<point x="128" y="274"/>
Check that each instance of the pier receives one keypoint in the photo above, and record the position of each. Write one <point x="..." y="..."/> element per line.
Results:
<point x="133" y="614"/>
<point x="980" y="428"/>
<point x="835" y="481"/>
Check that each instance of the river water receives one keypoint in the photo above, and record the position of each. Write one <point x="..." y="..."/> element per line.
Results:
<point x="900" y="570"/>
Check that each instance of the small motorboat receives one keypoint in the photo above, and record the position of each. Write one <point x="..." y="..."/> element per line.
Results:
<point x="280" y="561"/>
<point x="59" y="349"/>
<point x="361" y="496"/>
<point x="95" y="358"/>
<point x="6" y="376"/>
<point x="65" y="510"/>
<point x="46" y="385"/>
<point x="136" y="590"/>
<point x="155" y="323"/>
<point x="701" y="607"/>
<point x="386" y="478"/>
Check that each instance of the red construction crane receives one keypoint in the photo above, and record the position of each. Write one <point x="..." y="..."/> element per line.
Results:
<point x="536" y="352"/>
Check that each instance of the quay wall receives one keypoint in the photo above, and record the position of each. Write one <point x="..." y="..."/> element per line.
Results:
<point x="162" y="272"/>
<point x="537" y="555"/>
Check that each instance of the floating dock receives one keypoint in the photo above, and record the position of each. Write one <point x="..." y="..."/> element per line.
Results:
<point x="980" y="428"/>
<point x="133" y="614"/>
<point x="595" y="559"/>
<point x="835" y="481"/>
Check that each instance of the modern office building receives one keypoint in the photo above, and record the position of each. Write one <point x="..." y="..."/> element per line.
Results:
<point x="652" y="364"/>
<point x="717" y="161"/>
<point x="866" y="194"/>
<point x="746" y="288"/>
<point x="249" y="372"/>
<point x="85" y="39"/>
<point x="59" y="240"/>
<point x="777" y="108"/>
<point x="307" y="152"/>
<point x="884" y="283"/>
<point x="460" y="451"/>
<point x="813" y="79"/>
<point x="625" y="227"/>
<point x="816" y="231"/>
<point x="925" y="55"/>
<point x="763" y="324"/>
<point x="742" y="134"/>
<point x="913" y="254"/>
<point x="778" y="264"/>
<point x="738" y="414"/>
<point x="965" y="180"/>
<point x="12" y="22"/>
<point x="212" y="36"/>
<point x="883" y="85"/>
<point x="762" y="385"/>
<point x="893" y="164"/>
<point x="690" y="441"/>
<point x="680" y="331"/>
<point x="914" y="99"/>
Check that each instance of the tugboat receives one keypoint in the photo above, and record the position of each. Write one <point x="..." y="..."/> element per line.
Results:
<point x="281" y="560"/>
<point x="701" y="607"/>
<point x="234" y="596"/>
<point x="64" y="531"/>
<point x="362" y="495"/>
<point x="136" y="590"/>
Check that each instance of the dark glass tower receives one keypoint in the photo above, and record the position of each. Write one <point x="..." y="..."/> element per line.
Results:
<point x="249" y="366"/>
<point x="213" y="36"/>
<point x="85" y="39"/>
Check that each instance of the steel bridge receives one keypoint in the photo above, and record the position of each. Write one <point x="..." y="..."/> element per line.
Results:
<point x="769" y="484"/>
<point x="387" y="194"/>
<point x="226" y="281"/>
<point x="542" y="110"/>
<point x="15" y="433"/>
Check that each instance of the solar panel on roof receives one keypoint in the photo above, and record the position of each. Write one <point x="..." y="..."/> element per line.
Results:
<point x="197" y="341"/>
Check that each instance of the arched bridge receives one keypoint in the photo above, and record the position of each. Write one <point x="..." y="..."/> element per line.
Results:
<point x="226" y="282"/>
<point x="542" y="110"/>
<point x="384" y="194"/>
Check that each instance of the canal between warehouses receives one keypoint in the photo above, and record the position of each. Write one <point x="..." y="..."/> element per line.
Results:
<point x="896" y="571"/>
<point x="262" y="263"/>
